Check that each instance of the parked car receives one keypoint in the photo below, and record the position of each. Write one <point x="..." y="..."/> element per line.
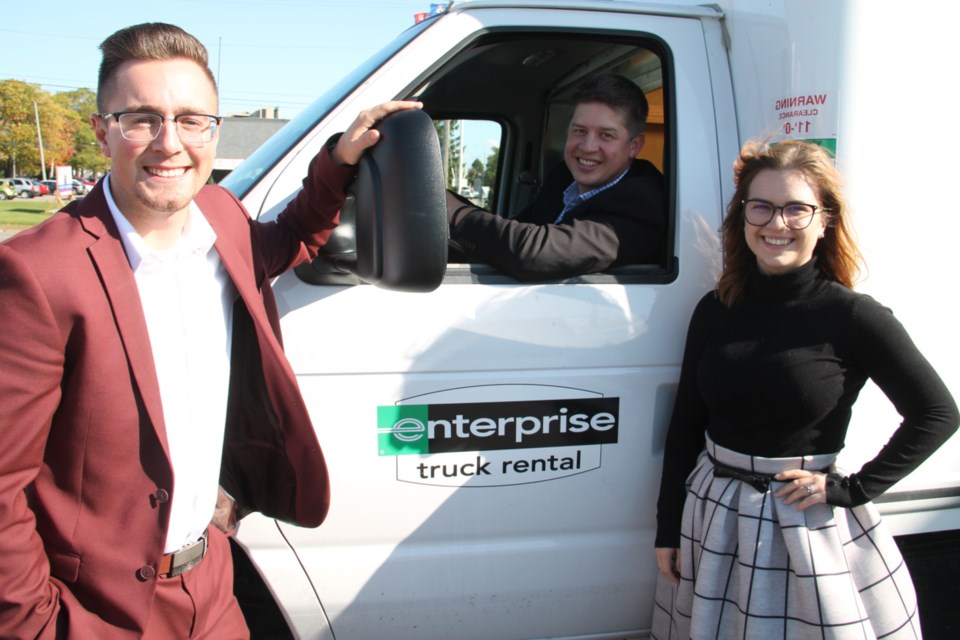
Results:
<point x="45" y="190"/>
<point x="49" y="185"/>
<point x="25" y="187"/>
<point x="7" y="192"/>
<point x="80" y="188"/>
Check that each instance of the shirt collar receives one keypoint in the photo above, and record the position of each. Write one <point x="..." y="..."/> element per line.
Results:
<point x="572" y="196"/>
<point x="197" y="235"/>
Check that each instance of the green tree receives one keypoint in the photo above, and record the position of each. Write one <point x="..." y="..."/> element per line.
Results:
<point x="490" y="170"/>
<point x="475" y="171"/>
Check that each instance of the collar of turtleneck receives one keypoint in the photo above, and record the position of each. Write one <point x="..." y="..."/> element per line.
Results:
<point x="795" y="285"/>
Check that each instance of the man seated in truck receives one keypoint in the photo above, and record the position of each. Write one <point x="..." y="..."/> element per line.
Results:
<point x="601" y="208"/>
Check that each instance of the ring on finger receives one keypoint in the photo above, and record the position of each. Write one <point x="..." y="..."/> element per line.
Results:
<point x="810" y="489"/>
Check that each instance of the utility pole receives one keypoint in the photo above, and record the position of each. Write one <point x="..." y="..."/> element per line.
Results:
<point x="445" y="152"/>
<point x="43" y="164"/>
<point x="460" y="165"/>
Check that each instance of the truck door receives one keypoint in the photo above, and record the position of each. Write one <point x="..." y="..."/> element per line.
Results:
<point x="494" y="447"/>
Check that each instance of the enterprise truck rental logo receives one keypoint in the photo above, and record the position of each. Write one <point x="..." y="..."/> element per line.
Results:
<point x="423" y="429"/>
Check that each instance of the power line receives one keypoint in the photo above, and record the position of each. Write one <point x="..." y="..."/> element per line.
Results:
<point x="226" y="42"/>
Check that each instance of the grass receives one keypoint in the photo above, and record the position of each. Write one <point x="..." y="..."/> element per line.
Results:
<point x="20" y="213"/>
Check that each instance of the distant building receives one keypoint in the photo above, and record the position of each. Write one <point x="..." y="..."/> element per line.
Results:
<point x="241" y="134"/>
<point x="269" y="113"/>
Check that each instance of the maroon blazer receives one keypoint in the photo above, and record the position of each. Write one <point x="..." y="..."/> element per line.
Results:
<point x="85" y="473"/>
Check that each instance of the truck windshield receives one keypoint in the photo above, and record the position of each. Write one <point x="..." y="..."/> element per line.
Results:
<point x="258" y="163"/>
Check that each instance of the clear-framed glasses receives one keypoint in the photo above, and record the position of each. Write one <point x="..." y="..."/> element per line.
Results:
<point x="144" y="126"/>
<point x="795" y="215"/>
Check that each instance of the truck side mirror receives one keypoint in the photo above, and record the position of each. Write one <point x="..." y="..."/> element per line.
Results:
<point x="393" y="228"/>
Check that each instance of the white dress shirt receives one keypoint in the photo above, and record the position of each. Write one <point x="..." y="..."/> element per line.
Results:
<point x="187" y="300"/>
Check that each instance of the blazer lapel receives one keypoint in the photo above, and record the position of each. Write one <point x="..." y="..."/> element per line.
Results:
<point x="233" y="244"/>
<point x="120" y="287"/>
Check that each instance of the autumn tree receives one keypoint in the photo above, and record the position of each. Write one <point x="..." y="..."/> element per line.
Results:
<point x="58" y="126"/>
<point x="87" y="155"/>
<point x="18" y="133"/>
<point x="20" y="106"/>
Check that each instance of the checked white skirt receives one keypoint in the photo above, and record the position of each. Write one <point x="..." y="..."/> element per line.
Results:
<point x="755" y="568"/>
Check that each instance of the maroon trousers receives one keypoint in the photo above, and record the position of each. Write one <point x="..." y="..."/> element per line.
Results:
<point x="199" y="604"/>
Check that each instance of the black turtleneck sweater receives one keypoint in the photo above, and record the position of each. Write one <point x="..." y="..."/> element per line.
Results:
<point x="777" y="374"/>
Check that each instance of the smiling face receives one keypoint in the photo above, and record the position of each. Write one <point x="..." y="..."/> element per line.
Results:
<point x="599" y="146"/>
<point x="153" y="182"/>
<point x="778" y="248"/>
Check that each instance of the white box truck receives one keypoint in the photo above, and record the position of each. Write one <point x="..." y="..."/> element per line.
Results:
<point x="495" y="447"/>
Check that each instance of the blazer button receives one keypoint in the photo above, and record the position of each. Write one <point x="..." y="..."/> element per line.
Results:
<point x="162" y="496"/>
<point x="146" y="573"/>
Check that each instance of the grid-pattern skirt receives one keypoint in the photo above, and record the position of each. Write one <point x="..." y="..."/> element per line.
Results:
<point x="755" y="568"/>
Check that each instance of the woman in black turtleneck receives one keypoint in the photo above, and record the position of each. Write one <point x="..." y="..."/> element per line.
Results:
<point x="758" y="536"/>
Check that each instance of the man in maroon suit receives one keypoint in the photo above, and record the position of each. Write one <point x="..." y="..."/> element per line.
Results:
<point x="142" y="376"/>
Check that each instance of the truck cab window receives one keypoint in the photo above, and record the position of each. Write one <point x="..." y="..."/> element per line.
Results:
<point x="502" y="107"/>
<point x="470" y="150"/>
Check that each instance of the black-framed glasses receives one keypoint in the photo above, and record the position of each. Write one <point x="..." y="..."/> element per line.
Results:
<point x="795" y="215"/>
<point x="144" y="126"/>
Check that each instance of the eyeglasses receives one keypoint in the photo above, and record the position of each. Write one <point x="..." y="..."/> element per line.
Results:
<point x="796" y="215"/>
<point x="143" y="126"/>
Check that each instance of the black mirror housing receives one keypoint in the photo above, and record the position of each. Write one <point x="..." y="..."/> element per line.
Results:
<point x="393" y="230"/>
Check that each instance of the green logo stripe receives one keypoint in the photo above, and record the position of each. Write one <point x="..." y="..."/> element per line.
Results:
<point x="490" y="426"/>
<point x="402" y="429"/>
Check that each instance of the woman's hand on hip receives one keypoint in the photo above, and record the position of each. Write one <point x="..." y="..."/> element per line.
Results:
<point x="804" y="488"/>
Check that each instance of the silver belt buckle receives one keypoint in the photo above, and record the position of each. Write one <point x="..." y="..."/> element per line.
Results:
<point x="181" y="561"/>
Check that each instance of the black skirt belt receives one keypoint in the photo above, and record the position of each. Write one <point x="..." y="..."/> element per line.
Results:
<point x="759" y="481"/>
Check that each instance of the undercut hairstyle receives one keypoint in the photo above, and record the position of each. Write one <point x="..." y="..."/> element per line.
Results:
<point x="617" y="93"/>
<point x="836" y="254"/>
<point x="147" y="41"/>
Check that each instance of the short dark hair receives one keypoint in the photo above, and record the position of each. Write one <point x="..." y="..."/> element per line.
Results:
<point x="147" y="41"/>
<point x="617" y="93"/>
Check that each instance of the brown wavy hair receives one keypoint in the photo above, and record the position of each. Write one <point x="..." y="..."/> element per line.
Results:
<point x="836" y="254"/>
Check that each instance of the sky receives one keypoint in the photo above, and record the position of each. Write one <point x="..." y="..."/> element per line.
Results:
<point x="266" y="53"/>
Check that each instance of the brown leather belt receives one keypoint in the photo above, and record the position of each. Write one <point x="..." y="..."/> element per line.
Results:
<point x="182" y="560"/>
